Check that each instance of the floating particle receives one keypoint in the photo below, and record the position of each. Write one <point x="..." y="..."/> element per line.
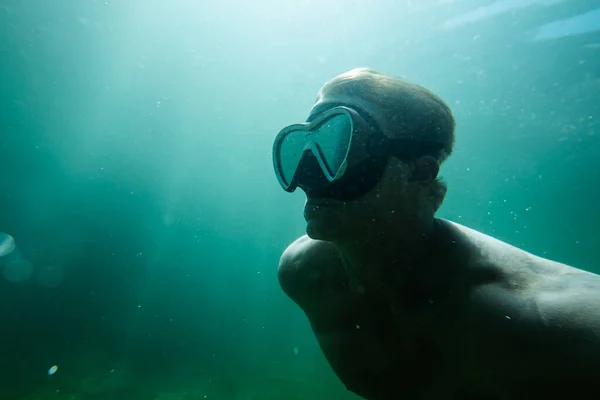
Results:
<point x="52" y="370"/>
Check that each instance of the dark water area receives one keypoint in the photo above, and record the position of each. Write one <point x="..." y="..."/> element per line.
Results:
<point x="136" y="177"/>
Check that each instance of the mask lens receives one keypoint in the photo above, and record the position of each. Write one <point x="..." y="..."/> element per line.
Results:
<point x="328" y="140"/>
<point x="332" y="139"/>
<point x="290" y="153"/>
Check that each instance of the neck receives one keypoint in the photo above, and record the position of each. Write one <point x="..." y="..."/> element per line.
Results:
<point x="397" y="248"/>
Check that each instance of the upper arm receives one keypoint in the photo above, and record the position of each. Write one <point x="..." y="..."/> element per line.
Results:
<point x="572" y="317"/>
<point x="543" y="342"/>
<point x="570" y="320"/>
<point x="571" y="310"/>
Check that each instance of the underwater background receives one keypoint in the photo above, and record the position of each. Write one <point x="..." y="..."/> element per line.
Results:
<point x="141" y="220"/>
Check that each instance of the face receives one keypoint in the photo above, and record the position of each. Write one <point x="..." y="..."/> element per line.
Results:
<point x="332" y="220"/>
<point x="392" y="197"/>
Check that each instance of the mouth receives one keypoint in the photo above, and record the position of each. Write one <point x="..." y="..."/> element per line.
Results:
<point x="320" y="202"/>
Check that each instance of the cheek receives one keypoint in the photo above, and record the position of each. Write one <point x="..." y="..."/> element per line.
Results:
<point x="383" y="192"/>
<point x="390" y="195"/>
<point x="393" y="186"/>
<point x="361" y="210"/>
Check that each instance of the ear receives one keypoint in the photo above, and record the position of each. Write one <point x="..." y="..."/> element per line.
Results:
<point x="426" y="169"/>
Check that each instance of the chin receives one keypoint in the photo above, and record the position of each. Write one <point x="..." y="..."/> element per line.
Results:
<point x="317" y="229"/>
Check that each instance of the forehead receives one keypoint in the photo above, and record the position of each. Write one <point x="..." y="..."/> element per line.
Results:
<point x="343" y="95"/>
<point x="357" y="94"/>
<point x="400" y="109"/>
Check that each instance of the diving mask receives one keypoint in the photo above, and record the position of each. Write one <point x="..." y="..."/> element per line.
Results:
<point x="339" y="154"/>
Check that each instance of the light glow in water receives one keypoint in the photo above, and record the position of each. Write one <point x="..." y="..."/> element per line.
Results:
<point x="7" y="244"/>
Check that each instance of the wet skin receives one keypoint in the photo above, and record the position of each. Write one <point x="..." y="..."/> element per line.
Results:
<point x="473" y="318"/>
<point x="428" y="309"/>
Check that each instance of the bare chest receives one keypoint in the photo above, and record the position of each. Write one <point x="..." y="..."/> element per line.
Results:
<point x="379" y="350"/>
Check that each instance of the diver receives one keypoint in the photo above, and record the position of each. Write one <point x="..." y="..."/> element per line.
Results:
<point x="405" y="305"/>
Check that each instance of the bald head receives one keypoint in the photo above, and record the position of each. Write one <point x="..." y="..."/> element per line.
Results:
<point x="401" y="109"/>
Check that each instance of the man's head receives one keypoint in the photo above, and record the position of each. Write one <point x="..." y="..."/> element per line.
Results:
<point x="401" y="109"/>
<point x="416" y="130"/>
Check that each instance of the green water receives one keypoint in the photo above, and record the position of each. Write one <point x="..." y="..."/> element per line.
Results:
<point x="136" y="176"/>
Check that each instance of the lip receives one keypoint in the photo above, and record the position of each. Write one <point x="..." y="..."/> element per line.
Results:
<point x="320" y="202"/>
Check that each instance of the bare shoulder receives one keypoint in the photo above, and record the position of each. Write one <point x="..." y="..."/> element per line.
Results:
<point x="307" y="267"/>
<point x="557" y="294"/>
<point x="536" y="324"/>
